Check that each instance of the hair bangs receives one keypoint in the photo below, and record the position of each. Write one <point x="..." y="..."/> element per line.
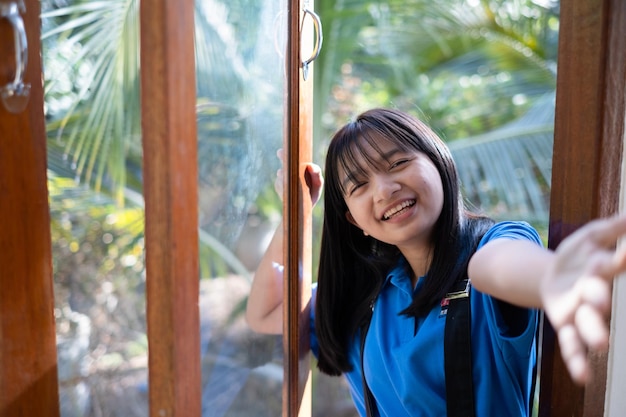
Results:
<point x="359" y="155"/>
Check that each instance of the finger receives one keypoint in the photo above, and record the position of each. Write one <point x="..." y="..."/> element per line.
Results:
<point x="560" y="302"/>
<point x="596" y="292"/>
<point x="574" y="353"/>
<point x="607" y="231"/>
<point x="280" y="153"/>
<point x="619" y="260"/>
<point x="608" y="264"/>
<point x="592" y="327"/>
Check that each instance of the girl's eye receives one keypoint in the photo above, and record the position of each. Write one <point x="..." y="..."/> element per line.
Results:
<point x="355" y="187"/>
<point x="398" y="163"/>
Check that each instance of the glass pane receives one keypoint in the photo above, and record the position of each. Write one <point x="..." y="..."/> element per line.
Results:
<point x="91" y="66"/>
<point x="241" y="82"/>
<point x="99" y="274"/>
<point x="91" y="72"/>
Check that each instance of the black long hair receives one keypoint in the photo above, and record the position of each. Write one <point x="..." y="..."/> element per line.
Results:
<point x="353" y="266"/>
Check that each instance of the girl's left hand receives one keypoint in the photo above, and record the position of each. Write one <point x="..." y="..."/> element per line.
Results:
<point x="313" y="176"/>
<point x="576" y="290"/>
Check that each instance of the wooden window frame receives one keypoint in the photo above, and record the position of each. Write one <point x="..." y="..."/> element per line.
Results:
<point x="169" y="136"/>
<point x="297" y="210"/>
<point x="586" y="167"/>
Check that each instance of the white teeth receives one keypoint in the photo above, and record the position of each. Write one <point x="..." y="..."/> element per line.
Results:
<point x="389" y="213"/>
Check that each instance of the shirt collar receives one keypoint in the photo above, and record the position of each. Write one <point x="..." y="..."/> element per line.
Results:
<point x="398" y="277"/>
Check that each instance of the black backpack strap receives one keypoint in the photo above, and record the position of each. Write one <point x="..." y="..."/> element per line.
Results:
<point x="368" y="397"/>
<point x="458" y="352"/>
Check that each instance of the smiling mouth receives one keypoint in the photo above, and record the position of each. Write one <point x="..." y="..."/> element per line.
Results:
<point x="400" y="208"/>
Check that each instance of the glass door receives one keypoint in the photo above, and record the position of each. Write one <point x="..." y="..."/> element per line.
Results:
<point x="241" y="117"/>
<point x="251" y="103"/>
<point x="119" y="356"/>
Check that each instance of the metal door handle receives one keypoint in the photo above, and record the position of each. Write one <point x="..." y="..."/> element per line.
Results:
<point x="15" y="94"/>
<point x="319" y="38"/>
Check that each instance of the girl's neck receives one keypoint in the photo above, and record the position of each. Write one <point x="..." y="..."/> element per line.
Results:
<point x="419" y="259"/>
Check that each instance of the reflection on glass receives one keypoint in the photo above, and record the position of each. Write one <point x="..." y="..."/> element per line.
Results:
<point x="240" y="59"/>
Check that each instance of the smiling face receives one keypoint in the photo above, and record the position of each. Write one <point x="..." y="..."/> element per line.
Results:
<point x="390" y="176"/>
<point x="394" y="194"/>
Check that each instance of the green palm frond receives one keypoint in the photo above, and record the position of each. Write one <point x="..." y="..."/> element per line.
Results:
<point x="97" y="44"/>
<point x="99" y="128"/>
<point x="507" y="172"/>
<point x="455" y="38"/>
<point x="342" y="21"/>
<point x="416" y="53"/>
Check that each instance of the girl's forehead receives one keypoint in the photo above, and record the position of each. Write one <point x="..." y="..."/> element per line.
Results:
<point x="372" y="148"/>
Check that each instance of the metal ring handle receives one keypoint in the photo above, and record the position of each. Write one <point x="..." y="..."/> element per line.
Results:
<point x="15" y="94"/>
<point x="319" y="38"/>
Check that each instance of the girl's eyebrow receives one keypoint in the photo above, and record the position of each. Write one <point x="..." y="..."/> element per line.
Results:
<point x="351" y="177"/>
<point x="387" y="156"/>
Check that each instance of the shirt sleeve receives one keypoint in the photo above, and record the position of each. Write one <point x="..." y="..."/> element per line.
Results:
<point x="511" y="230"/>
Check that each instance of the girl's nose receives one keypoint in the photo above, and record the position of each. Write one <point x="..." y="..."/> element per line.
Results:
<point x="384" y="188"/>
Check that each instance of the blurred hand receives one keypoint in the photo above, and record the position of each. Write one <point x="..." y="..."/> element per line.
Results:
<point x="279" y="181"/>
<point x="576" y="291"/>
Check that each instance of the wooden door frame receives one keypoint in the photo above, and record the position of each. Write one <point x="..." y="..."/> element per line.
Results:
<point x="28" y="358"/>
<point x="169" y="137"/>
<point x="297" y="210"/>
<point x="586" y="168"/>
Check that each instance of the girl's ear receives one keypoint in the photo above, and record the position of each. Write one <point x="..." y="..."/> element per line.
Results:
<point x="352" y="221"/>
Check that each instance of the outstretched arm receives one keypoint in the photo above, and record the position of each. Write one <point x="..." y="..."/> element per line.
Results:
<point x="264" y="312"/>
<point x="572" y="284"/>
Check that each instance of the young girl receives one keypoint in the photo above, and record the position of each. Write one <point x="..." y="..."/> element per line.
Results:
<point x="397" y="240"/>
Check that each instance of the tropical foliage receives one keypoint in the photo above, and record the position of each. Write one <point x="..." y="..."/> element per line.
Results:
<point x="91" y="52"/>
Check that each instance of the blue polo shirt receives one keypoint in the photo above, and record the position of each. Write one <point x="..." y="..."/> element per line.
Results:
<point x="404" y="362"/>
